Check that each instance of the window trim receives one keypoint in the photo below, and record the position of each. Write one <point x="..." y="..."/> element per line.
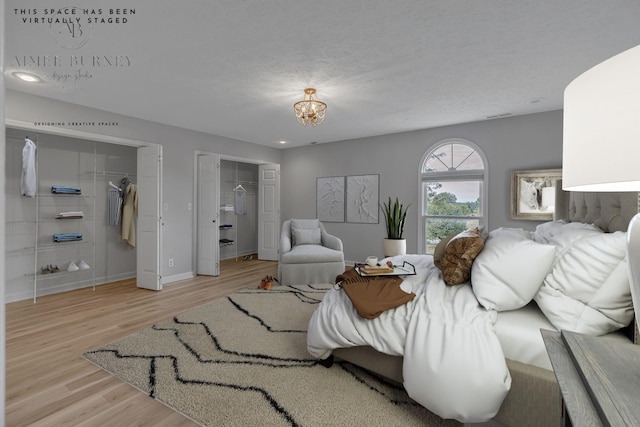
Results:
<point x="467" y="174"/>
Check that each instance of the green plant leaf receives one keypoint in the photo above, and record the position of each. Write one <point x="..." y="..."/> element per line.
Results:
<point x="395" y="216"/>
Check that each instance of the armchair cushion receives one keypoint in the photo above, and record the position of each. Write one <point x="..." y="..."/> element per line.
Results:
<point x="304" y="228"/>
<point x="309" y="254"/>
<point x="302" y="236"/>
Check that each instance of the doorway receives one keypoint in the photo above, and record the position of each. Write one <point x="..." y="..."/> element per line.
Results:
<point x="237" y="211"/>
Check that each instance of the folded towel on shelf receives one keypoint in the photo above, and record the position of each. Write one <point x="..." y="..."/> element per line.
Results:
<point x="67" y="237"/>
<point x="70" y="215"/>
<point x="61" y="189"/>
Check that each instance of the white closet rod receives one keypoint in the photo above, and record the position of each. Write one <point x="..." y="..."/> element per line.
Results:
<point x="245" y="182"/>
<point x="125" y="174"/>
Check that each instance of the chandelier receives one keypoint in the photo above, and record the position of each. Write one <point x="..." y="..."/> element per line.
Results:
<point x="310" y="110"/>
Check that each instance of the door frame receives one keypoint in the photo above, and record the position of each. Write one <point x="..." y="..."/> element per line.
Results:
<point x="194" y="207"/>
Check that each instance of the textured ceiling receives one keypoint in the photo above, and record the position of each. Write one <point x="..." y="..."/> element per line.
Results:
<point x="235" y="68"/>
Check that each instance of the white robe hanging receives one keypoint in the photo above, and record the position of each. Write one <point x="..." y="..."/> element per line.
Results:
<point x="241" y="202"/>
<point x="28" y="179"/>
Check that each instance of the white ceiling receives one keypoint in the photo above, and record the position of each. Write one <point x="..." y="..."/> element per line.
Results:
<point x="235" y="68"/>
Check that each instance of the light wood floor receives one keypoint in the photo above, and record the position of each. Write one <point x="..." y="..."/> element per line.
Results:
<point x="49" y="384"/>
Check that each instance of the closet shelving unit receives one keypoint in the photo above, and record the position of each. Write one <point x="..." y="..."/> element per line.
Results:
<point x="30" y="222"/>
<point x="228" y="226"/>
<point x="60" y="255"/>
<point x="228" y="218"/>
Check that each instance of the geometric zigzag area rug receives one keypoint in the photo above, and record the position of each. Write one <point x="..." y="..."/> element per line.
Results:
<point x="242" y="361"/>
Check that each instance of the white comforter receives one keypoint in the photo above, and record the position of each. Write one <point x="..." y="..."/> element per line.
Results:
<point x="453" y="363"/>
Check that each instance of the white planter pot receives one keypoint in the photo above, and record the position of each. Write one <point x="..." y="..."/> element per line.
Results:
<point x="394" y="247"/>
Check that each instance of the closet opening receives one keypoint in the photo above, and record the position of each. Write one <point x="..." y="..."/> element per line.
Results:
<point x="238" y="222"/>
<point x="68" y="233"/>
<point x="237" y="212"/>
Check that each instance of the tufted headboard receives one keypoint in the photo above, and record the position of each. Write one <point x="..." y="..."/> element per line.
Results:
<point x="609" y="211"/>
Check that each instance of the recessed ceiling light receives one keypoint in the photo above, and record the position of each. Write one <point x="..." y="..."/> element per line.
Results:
<point x="283" y="142"/>
<point x="27" y="77"/>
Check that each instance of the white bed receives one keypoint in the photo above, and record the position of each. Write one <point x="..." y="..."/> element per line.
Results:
<point x="531" y="393"/>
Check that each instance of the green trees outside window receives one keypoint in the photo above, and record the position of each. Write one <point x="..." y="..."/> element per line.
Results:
<point x="453" y="191"/>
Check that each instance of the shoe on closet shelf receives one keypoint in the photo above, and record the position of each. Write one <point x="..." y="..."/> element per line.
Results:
<point x="73" y="267"/>
<point x="83" y="265"/>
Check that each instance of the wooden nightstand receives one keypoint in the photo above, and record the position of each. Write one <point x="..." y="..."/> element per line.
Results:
<point x="599" y="379"/>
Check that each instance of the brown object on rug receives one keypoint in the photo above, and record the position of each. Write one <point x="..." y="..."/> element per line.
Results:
<point x="242" y="360"/>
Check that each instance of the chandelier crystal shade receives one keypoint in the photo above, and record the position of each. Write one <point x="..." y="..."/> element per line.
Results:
<point x="310" y="110"/>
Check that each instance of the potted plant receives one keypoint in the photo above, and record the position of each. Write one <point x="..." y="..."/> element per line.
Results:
<point x="395" y="215"/>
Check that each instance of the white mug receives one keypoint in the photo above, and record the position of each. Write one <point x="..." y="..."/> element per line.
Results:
<point x="372" y="261"/>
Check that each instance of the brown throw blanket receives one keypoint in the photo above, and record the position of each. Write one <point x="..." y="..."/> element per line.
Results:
<point x="372" y="295"/>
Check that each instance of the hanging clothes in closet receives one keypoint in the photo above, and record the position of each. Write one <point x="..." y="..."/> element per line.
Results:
<point x="114" y="204"/>
<point x="28" y="180"/>
<point x="129" y="213"/>
<point x="240" y="200"/>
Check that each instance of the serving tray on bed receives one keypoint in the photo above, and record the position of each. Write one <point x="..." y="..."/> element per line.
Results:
<point x="406" y="269"/>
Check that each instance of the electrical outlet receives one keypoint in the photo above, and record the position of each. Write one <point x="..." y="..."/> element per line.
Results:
<point x="170" y="262"/>
<point x="189" y="206"/>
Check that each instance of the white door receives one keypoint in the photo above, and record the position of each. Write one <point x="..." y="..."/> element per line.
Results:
<point x="208" y="262"/>
<point x="148" y="235"/>
<point x="268" y="212"/>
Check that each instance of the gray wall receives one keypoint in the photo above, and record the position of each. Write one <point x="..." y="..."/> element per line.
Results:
<point x="524" y="142"/>
<point x="178" y="160"/>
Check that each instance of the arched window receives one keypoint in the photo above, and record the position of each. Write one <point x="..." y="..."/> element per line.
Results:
<point x="453" y="191"/>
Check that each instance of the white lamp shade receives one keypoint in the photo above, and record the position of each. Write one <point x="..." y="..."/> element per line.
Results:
<point x="601" y="141"/>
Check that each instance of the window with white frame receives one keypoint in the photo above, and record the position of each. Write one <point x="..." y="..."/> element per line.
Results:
<point x="453" y="191"/>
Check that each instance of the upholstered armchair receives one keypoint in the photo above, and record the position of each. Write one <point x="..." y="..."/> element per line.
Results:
<point x="308" y="254"/>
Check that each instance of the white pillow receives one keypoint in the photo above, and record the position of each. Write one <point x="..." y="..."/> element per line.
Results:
<point x="561" y="233"/>
<point x="509" y="271"/>
<point x="309" y="236"/>
<point x="305" y="224"/>
<point x="588" y="289"/>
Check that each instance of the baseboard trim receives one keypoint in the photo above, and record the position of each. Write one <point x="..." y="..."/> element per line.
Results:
<point x="177" y="277"/>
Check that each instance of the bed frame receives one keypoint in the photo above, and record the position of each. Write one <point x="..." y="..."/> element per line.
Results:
<point x="534" y="398"/>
